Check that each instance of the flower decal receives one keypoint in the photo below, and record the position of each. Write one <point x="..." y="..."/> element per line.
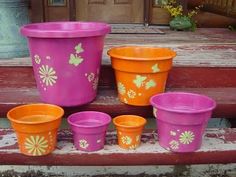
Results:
<point x="172" y="133"/>
<point x="91" y="76"/>
<point x="132" y="147"/>
<point x="174" y="144"/>
<point x="37" y="59"/>
<point x="186" y="137"/>
<point x="95" y="83"/>
<point x="48" y="75"/>
<point x="155" y="68"/>
<point x="137" y="138"/>
<point x="126" y="140"/>
<point x="139" y="80"/>
<point x="121" y="88"/>
<point x="36" y="145"/>
<point x="83" y="144"/>
<point x="131" y="94"/>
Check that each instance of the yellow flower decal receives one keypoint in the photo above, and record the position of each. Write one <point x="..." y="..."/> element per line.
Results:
<point x="121" y="88"/>
<point x="48" y="75"/>
<point x="131" y="94"/>
<point x="83" y="144"/>
<point x="174" y="144"/>
<point x="36" y="145"/>
<point x="132" y="147"/>
<point x="139" y="80"/>
<point x="186" y="137"/>
<point x="155" y="68"/>
<point x="126" y="140"/>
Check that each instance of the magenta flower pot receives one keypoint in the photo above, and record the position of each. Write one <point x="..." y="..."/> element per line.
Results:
<point x="66" y="58"/>
<point x="89" y="129"/>
<point x="181" y="119"/>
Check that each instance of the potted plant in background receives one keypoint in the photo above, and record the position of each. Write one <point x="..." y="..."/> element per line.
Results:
<point x="180" y="20"/>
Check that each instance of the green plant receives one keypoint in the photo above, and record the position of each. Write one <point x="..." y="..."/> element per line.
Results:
<point x="176" y="11"/>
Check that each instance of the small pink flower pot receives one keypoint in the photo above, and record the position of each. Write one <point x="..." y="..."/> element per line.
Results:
<point x="66" y="58"/>
<point x="89" y="129"/>
<point x="181" y="119"/>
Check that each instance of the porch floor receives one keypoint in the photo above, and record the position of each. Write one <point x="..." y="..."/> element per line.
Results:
<point x="206" y="47"/>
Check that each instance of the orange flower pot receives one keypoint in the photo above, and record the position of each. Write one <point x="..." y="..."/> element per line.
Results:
<point x="129" y="130"/>
<point x="141" y="72"/>
<point x="36" y="127"/>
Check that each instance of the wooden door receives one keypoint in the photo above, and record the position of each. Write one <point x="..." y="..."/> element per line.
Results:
<point x="111" y="11"/>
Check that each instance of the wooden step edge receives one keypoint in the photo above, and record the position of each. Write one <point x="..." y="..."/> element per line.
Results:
<point x="107" y="101"/>
<point x="218" y="147"/>
<point x="178" y="77"/>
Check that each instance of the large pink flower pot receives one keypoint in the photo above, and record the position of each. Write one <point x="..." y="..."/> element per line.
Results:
<point x="181" y="119"/>
<point x="66" y="58"/>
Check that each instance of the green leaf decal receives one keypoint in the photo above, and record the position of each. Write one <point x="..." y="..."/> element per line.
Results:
<point x="150" y="84"/>
<point x="75" y="60"/>
<point x="79" y="48"/>
<point x="139" y="80"/>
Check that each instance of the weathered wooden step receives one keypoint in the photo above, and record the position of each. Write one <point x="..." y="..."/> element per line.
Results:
<point x="179" y="77"/>
<point x="107" y="101"/>
<point x="218" y="147"/>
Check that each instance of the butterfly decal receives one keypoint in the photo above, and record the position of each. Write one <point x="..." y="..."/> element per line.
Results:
<point x="155" y="68"/>
<point x="75" y="60"/>
<point x="139" y="81"/>
<point x="79" y="48"/>
<point x="150" y="84"/>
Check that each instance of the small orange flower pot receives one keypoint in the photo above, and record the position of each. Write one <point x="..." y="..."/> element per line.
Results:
<point x="129" y="130"/>
<point x="141" y="72"/>
<point x="36" y="127"/>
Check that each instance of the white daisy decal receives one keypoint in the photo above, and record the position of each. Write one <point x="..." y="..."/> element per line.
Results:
<point x="48" y="75"/>
<point x="91" y="77"/>
<point x="37" y="59"/>
<point x="186" y="137"/>
<point x="121" y="88"/>
<point x="95" y="83"/>
<point x="172" y="133"/>
<point x="36" y="145"/>
<point x="174" y="144"/>
<point x="131" y="94"/>
<point x="126" y="140"/>
<point x="83" y="144"/>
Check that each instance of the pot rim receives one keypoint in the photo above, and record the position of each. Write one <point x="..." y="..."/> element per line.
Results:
<point x="38" y="122"/>
<point x="158" y="106"/>
<point x="111" y="53"/>
<point x="65" y="29"/>
<point x="130" y="127"/>
<point x="103" y="123"/>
